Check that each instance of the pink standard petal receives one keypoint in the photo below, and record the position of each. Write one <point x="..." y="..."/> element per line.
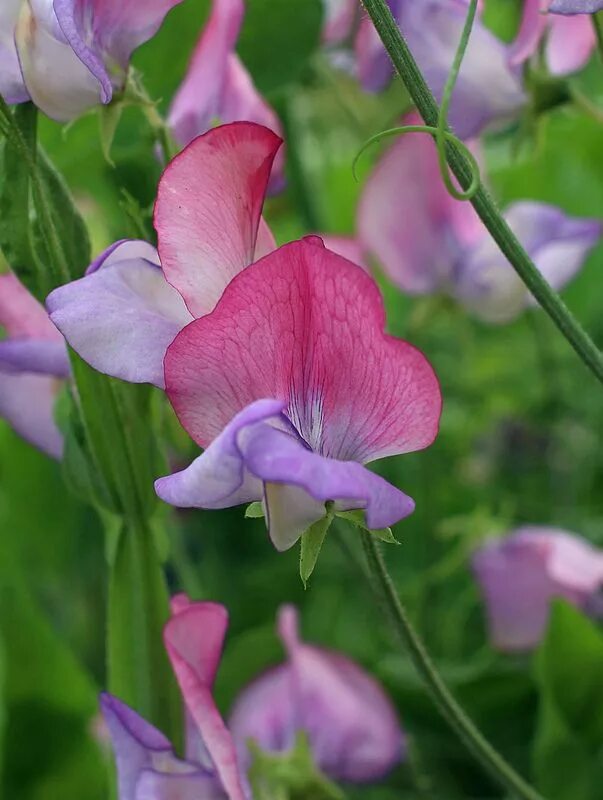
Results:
<point x="21" y="314"/>
<point x="199" y="99"/>
<point x="121" y="318"/>
<point x="305" y="326"/>
<point x="209" y="207"/>
<point x="531" y="30"/>
<point x="351" y="725"/>
<point x="570" y="43"/>
<point x="194" y="638"/>
<point x="520" y="575"/>
<point x="27" y="404"/>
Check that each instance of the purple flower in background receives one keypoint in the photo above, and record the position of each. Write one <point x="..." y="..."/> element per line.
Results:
<point x="33" y="361"/>
<point x="427" y="242"/>
<point x="567" y="41"/>
<point x="74" y="54"/>
<point x="576" y="6"/>
<point x="12" y="88"/>
<point x="520" y="575"/>
<point x="350" y="724"/>
<point x="488" y="90"/>
<point x="218" y="87"/>
<point x="340" y="16"/>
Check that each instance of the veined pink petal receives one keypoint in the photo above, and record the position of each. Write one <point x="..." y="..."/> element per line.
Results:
<point x="570" y="43"/>
<point x="194" y="638"/>
<point x="209" y="207"/>
<point x="199" y="99"/>
<point x="305" y="326"/>
<point x="21" y="314"/>
<point x="531" y="30"/>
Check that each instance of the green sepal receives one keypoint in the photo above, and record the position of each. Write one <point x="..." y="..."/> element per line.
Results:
<point x="311" y="544"/>
<point x="358" y="520"/>
<point x="289" y="776"/>
<point x="254" y="511"/>
<point x="108" y="120"/>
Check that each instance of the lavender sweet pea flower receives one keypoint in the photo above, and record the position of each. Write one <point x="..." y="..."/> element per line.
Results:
<point x="576" y="6"/>
<point x="351" y="726"/>
<point x="74" y="54"/>
<point x="12" y="87"/>
<point x="427" y="242"/>
<point x="520" y="575"/>
<point x="488" y="90"/>
<point x="218" y="86"/>
<point x="33" y="361"/>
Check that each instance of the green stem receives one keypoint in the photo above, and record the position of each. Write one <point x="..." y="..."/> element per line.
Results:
<point x="597" y="21"/>
<point x="482" y="201"/>
<point x="448" y="706"/>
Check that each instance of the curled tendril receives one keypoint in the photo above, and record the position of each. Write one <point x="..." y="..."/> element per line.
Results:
<point x="441" y="134"/>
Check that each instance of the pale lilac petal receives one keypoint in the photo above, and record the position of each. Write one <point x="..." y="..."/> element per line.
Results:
<point x="279" y="458"/>
<point x="570" y="43"/>
<point x="125" y="250"/>
<point x="209" y="207"/>
<point x="27" y="403"/>
<point x="194" y="639"/>
<point x="12" y="88"/>
<point x="306" y="327"/>
<point x="21" y="315"/>
<point x="521" y="574"/>
<point x="121" y="319"/>
<point x="57" y="80"/>
<point x="198" y="102"/>
<point x="339" y="20"/>
<point x="374" y="66"/>
<point x="152" y="785"/>
<point x="352" y="727"/>
<point x="487" y="284"/>
<point x="488" y="91"/>
<point x="576" y="6"/>
<point x="40" y="356"/>
<point x="531" y="31"/>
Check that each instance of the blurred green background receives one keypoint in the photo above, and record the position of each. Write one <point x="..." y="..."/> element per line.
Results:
<point x="519" y="443"/>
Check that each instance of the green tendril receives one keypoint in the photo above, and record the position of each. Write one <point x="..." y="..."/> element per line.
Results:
<point x="441" y="133"/>
<point x="433" y="131"/>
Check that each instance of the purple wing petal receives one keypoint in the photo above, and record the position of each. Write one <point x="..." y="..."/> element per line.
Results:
<point x="576" y="6"/>
<point x="37" y="356"/>
<point x="152" y="785"/>
<point x="27" y="403"/>
<point x="12" y="87"/>
<point x="125" y="250"/>
<point x="121" y="318"/>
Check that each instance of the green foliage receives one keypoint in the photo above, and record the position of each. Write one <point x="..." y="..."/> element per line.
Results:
<point x="311" y="544"/>
<point x="568" y="752"/>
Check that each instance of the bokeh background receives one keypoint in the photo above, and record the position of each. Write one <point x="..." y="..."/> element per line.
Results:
<point x="519" y="443"/>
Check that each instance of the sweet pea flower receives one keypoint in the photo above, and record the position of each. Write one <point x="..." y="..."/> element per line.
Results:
<point x="428" y="242"/>
<point x="134" y="299"/>
<point x="74" y="54"/>
<point x="488" y="90"/>
<point x="352" y="729"/>
<point x="292" y="386"/>
<point x="33" y="361"/>
<point x="576" y="6"/>
<point x="568" y="40"/>
<point x="520" y="575"/>
<point x="339" y="19"/>
<point x="350" y="724"/>
<point x="12" y="88"/>
<point x="218" y="86"/>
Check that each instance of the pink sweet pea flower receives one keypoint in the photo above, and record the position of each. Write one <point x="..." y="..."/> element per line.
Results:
<point x="124" y="313"/>
<point x="428" y="242"/>
<point x="520" y="575"/>
<point x="74" y="54"/>
<point x="33" y="360"/>
<point x="218" y="86"/>
<point x="351" y="726"/>
<point x="488" y="90"/>
<point x="568" y="41"/>
<point x="340" y="16"/>
<point x="292" y="386"/>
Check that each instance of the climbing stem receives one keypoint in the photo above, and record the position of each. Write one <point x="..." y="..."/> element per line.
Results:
<point x="448" y="706"/>
<point x="549" y="300"/>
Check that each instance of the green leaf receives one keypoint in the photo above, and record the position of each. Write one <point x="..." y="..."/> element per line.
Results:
<point x="357" y="519"/>
<point x="311" y="544"/>
<point x="278" y="38"/>
<point x="254" y="511"/>
<point x="568" y="756"/>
